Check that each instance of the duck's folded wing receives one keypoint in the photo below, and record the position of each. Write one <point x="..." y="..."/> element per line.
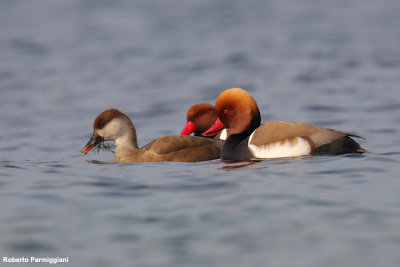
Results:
<point x="281" y="130"/>
<point x="184" y="148"/>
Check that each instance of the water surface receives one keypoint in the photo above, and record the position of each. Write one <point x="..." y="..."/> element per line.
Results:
<point x="334" y="64"/>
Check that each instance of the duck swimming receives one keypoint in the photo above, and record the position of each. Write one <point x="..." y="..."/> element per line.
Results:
<point x="114" y="125"/>
<point x="249" y="139"/>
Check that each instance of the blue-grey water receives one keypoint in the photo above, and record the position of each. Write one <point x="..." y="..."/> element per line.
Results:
<point x="332" y="63"/>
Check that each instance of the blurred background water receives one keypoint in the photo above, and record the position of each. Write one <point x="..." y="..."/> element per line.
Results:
<point x="332" y="63"/>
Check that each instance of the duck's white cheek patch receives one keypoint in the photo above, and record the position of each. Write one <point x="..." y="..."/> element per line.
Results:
<point x="112" y="130"/>
<point x="288" y="148"/>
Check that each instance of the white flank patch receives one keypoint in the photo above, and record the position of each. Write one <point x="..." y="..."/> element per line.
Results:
<point x="278" y="150"/>
<point x="223" y="135"/>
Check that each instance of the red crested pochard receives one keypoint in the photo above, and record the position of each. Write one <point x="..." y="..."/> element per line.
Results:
<point x="114" y="125"/>
<point x="200" y="118"/>
<point x="238" y="111"/>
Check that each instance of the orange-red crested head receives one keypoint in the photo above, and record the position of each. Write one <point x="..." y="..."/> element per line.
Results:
<point x="200" y="117"/>
<point x="237" y="110"/>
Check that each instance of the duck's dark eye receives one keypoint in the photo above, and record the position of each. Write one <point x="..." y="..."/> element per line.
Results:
<point x="100" y="124"/>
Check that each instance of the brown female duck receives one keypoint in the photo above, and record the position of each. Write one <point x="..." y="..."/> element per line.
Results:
<point x="114" y="125"/>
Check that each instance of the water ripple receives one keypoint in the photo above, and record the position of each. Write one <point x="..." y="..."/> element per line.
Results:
<point x="29" y="47"/>
<point x="327" y="108"/>
<point x="31" y="246"/>
<point x="385" y="107"/>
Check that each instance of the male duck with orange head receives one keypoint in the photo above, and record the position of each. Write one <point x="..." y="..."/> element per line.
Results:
<point x="200" y="118"/>
<point x="248" y="139"/>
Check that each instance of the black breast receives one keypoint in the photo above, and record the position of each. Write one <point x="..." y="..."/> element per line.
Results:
<point x="236" y="147"/>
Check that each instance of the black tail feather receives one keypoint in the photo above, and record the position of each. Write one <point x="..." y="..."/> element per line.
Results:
<point x="343" y="145"/>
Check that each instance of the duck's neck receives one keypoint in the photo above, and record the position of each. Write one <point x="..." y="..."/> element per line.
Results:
<point x="127" y="141"/>
<point x="235" y="147"/>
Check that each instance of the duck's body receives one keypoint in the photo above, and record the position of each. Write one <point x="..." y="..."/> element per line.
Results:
<point x="279" y="139"/>
<point x="238" y="111"/>
<point x="200" y="118"/>
<point x="115" y="125"/>
<point x="171" y="148"/>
